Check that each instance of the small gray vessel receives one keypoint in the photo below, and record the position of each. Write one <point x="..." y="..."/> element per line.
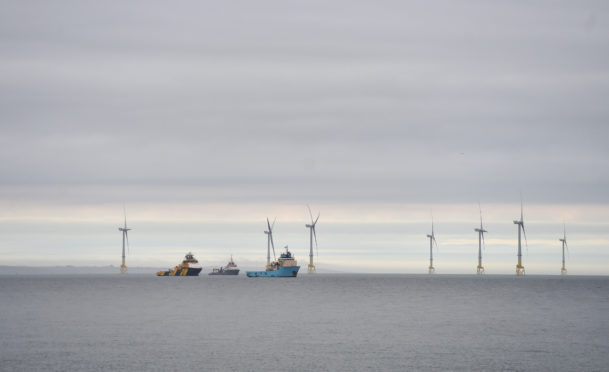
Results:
<point x="230" y="269"/>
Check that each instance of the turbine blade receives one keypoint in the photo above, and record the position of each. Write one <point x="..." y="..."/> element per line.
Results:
<point x="310" y="214"/>
<point x="316" y="247"/>
<point x="483" y="242"/>
<point x="127" y="238"/>
<point x="318" y="214"/>
<point x="273" y="246"/>
<point x="526" y="243"/>
<point x="521" y="214"/>
<point x="268" y="224"/>
<point x="480" y="208"/>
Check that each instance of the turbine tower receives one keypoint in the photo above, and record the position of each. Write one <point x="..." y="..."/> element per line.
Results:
<point x="124" y="230"/>
<point x="480" y="231"/>
<point x="269" y="243"/>
<point x="563" y="270"/>
<point x="432" y="241"/>
<point x="520" y="223"/>
<point x="312" y="234"/>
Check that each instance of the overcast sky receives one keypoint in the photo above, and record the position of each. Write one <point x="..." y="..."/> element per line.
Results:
<point x="189" y="109"/>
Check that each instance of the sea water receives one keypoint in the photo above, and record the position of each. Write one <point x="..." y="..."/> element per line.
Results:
<point x="332" y="322"/>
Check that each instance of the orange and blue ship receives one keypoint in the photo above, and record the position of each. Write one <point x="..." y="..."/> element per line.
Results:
<point x="189" y="267"/>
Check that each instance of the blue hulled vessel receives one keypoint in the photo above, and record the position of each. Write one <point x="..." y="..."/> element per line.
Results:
<point x="285" y="266"/>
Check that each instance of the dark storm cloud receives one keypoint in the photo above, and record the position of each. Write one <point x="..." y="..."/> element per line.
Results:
<point x="343" y="101"/>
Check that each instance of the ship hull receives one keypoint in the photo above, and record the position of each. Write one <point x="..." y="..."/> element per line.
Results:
<point x="227" y="272"/>
<point x="282" y="272"/>
<point x="181" y="272"/>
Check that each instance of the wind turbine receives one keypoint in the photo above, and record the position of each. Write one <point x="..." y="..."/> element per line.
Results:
<point x="311" y="269"/>
<point x="563" y="270"/>
<point x="269" y="244"/>
<point x="520" y="223"/>
<point x="480" y="231"/>
<point x="124" y="230"/>
<point x="432" y="241"/>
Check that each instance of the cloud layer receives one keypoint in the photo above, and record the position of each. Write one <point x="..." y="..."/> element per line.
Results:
<point x="399" y="101"/>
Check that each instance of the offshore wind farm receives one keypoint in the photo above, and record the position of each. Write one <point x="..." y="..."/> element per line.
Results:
<point x="204" y="145"/>
<point x="275" y="268"/>
<point x="279" y="161"/>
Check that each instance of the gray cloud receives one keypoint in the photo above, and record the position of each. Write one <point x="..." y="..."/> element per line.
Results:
<point x="285" y="100"/>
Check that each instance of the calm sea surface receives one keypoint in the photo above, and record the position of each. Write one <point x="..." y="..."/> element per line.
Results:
<point x="330" y="322"/>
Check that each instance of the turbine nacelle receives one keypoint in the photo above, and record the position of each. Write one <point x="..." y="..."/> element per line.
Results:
<point x="433" y="239"/>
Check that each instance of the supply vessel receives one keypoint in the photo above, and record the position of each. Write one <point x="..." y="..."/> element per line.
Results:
<point x="230" y="269"/>
<point x="286" y="267"/>
<point x="189" y="267"/>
